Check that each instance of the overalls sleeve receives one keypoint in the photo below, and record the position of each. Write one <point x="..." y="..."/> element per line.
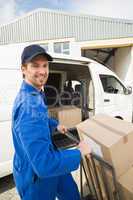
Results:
<point x="33" y="130"/>
<point x="53" y="123"/>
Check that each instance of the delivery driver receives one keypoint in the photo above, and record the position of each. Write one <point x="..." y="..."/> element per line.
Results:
<point x="40" y="171"/>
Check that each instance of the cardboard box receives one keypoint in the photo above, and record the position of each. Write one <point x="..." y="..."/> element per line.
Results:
<point x="67" y="115"/>
<point x="115" y="138"/>
<point x="126" y="185"/>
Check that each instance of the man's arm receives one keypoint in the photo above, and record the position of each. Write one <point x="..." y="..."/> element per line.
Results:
<point x="33" y="131"/>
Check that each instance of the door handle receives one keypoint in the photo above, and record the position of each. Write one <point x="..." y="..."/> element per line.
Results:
<point x="106" y="100"/>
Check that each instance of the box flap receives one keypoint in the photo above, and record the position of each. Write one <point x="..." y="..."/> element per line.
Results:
<point x="118" y="126"/>
<point x="98" y="133"/>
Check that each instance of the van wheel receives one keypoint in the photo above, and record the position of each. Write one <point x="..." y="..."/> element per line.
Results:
<point x="118" y="117"/>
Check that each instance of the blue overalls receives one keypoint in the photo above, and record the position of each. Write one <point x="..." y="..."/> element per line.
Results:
<point x="40" y="171"/>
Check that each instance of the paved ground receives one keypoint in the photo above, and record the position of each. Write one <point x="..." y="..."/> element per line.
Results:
<point x="7" y="189"/>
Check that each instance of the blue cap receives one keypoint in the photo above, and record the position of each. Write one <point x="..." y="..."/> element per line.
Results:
<point x="32" y="51"/>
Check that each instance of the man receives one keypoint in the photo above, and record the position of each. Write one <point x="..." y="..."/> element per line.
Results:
<point x="40" y="171"/>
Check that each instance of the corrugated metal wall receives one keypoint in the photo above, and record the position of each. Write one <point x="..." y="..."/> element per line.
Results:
<point x="44" y="24"/>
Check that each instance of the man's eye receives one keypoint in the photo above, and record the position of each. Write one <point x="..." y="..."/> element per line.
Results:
<point x="45" y="66"/>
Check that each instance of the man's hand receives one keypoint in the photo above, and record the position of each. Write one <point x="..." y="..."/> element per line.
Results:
<point x="62" y="128"/>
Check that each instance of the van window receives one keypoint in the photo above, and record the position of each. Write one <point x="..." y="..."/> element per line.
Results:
<point x="111" y="84"/>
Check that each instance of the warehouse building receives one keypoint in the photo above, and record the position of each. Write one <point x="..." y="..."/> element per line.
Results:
<point x="107" y="40"/>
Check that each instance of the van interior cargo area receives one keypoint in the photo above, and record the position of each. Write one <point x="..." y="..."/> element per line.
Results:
<point x="64" y="84"/>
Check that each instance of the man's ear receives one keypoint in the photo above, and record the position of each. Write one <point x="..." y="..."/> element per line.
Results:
<point x="23" y="67"/>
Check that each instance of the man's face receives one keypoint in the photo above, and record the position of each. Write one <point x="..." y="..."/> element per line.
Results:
<point x="36" y="72"/>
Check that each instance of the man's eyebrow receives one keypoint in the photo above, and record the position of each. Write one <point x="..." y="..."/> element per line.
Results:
<point x="44" y="64"/>
<point x="34" y="63"/>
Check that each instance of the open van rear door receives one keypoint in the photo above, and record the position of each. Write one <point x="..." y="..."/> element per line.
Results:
<point x="95" y="101"/>
<point x="110" y="95"/>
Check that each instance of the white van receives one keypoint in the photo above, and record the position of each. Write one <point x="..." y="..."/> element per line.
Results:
<point x="104" y="91"/>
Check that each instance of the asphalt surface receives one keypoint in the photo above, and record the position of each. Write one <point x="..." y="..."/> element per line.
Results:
<point x="7" y="189"/>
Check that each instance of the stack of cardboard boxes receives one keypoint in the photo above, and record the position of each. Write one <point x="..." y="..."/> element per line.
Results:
<point x="113" y="140"/>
